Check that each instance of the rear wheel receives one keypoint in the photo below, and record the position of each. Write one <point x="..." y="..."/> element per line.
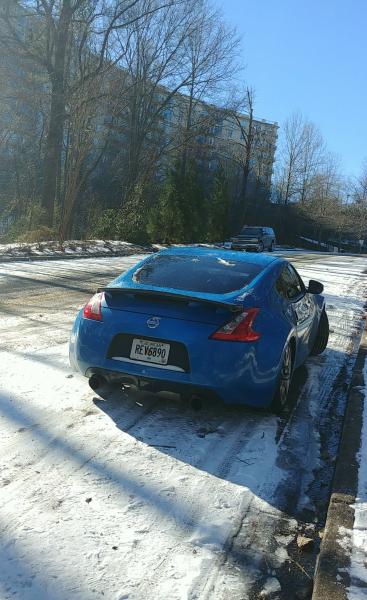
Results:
<point x="322" y="336"/>
<point x="261" y="247"/>
<point x="271" y="248"/>
<point x="284" y="381"/>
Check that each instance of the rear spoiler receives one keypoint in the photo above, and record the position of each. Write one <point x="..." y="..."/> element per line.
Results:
<point x="232" y="306"/>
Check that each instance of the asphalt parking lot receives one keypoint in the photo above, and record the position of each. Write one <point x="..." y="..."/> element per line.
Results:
<point x="140" y="497"/>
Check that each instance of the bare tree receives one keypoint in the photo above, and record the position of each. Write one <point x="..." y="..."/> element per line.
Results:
<point x="358" y="208"/>
<point x="360" y="186"/>
<point x="45" y="42"/>
<point x="84" y="148"/>
<point x="41" y="30"/>
<point x="145" y="86"/>
<point x="248" y="150"/>
<point x="173" y="61"/>
<point x="210" y="50"/>
<point x="311" y="159"/>
<point x="290" y="158"/>
<point x="301" y="158"/>
<point x="242" y="115"/>
<point x="323" y="202"/>
<point x="139" y="75"/>
<point x="22" y="128"/>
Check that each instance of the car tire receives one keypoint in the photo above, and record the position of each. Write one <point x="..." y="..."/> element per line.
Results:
<point x="271" y="248"/>
<point x="261" y="247"/>
<point x="322" y="336"/>
<point x="284" y="381"/>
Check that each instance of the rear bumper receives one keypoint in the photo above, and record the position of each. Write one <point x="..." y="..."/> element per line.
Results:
<point x="236" y="373"/>
<point x="248" y="389"/>
<point x="153" y="385"/>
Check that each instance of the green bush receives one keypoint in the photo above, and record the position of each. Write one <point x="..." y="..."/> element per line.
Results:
<point x="128" y="223"/>
<point x="165" y="222"/>
<point x="104" y="225"/>
<point x="41" y="234"/>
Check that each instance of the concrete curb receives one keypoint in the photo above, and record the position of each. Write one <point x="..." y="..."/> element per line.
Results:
<point x="334" y="558"/>
<point x="36" y="258"/>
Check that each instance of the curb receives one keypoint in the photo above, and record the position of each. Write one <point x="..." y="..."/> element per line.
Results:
<point x="36" y="258"/>
<point x="331" y="578"/>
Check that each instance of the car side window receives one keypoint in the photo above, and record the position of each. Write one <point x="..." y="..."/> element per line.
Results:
<point x="301" y="285"/>
<point x="289" y="284"/>
<point x="281" y="285"/>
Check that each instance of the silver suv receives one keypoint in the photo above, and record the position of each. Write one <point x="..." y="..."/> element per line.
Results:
<point x="254" y="238"/>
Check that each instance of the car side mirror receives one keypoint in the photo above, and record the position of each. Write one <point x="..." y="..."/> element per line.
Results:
<point x="315" y="287"/>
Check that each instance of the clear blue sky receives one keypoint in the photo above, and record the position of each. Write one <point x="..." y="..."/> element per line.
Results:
<point x="308" y="55"/>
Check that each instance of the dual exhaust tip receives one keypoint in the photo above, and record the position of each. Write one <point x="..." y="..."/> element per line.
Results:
<point x="96" y="382"/>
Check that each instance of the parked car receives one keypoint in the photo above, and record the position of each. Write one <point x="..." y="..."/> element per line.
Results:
<point x="254" y="238"/>
<point x="204" y="323"/>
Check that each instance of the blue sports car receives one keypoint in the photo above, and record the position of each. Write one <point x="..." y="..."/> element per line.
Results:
<point x="203" y="322"/>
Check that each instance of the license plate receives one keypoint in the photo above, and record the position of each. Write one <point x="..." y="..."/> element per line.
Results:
<point x="147" y="351"/>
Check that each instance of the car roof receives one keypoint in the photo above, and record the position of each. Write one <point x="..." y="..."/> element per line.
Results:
<point x="261" y="259"/>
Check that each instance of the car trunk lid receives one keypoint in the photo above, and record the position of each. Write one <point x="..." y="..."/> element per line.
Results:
<point x="162" y="303"/>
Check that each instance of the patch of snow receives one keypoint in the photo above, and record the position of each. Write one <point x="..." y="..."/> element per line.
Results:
<point x="358" y="536"/>
<point x="281" y="555"/>
<point x="73" y="248"/>
<point x="344" y="538"/>
<point x="311" y="241"/>
<point x="272" y="586"/>
<point x="284" y="540"/>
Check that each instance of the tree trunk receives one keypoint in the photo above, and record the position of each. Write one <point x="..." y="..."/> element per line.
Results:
<point x="246" y="166"/>
<point x="57" y="116"/>
<point x="188" y="126"/>
<point x="288" y="186"/>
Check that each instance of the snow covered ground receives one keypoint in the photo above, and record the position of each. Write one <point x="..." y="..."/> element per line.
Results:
<point x="133" y="496"/>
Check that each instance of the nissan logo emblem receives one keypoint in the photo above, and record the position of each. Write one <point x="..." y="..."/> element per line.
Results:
<point x="153" y="322"/>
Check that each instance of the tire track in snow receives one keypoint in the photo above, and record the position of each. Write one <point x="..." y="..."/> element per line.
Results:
<point x="317" y="417"/>
<point x="195" y="533"/>
<point x="192" y="512"/>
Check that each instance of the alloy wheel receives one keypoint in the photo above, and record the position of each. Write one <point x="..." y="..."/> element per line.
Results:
<point x="285" y="376"/>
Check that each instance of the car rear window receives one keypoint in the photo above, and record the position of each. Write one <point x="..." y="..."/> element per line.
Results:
<point x="252" y="231"/>
<point x="210" y="274"/>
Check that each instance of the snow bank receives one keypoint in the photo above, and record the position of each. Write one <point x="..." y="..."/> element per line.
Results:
<point x="75" y="248"/>
<point x="358" y="570"/>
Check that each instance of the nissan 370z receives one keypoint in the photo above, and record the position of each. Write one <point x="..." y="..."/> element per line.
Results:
<point x="203" y="322"/>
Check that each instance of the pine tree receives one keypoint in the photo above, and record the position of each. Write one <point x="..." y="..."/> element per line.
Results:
<point x="165" y="222"/>
<point x="194" y="204"/>
<point x="219" y="208"/>
<point x="132" y="217"/>
<point x="181" y="213"/>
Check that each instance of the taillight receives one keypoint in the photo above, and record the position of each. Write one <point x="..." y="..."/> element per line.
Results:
<point x="93" y="308"/>
<point x="239" y="329"/>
